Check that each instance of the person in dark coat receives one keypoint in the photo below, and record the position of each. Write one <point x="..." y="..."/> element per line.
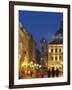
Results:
<point x="49" y="73"/>
<point x="57" y="72"/>
<point x="53" y="72"/>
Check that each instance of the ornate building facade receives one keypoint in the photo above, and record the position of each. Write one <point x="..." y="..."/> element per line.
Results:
<point x="32" y="50"/>
<point x="55" y="51"/>
<point x="55" y="56"/>
<point x="26" y="51"/>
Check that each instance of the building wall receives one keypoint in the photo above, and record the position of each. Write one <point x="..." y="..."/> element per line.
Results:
<point x="38" y="56"/>
<point x="32" y="50"/>
<point x="23" y="45"/>
<point x="55" y="55"/>
<point x="26" y="50"/>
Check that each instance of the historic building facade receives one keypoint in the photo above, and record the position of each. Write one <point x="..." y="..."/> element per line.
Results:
<point x="32" y="50"/>
<point x="26" y="49"/>
<point x="55" y="56"/>
<point x="55" y="51"/>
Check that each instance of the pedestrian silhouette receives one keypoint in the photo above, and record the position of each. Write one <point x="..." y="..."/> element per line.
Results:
<point x="57" y="72"/>
<point x="53" y="72"/>
<point x="49" y="73"/>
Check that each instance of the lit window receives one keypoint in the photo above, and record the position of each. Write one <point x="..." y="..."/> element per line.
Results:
<point x="49" y="50"/>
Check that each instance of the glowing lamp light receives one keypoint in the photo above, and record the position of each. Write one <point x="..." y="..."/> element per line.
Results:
<point x="35" y="64"/>
<point x="40" y="66"/>
<point x="23" y="64"/>
<point x="31" y="62"/>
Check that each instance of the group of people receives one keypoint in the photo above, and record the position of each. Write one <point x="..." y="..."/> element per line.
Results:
<point x="53" y="72"/>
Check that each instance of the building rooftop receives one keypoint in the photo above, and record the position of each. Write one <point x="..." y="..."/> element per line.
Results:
<point x="57" y="41"/>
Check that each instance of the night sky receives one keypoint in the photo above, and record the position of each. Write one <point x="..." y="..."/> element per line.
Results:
<point x="41" y="24"/>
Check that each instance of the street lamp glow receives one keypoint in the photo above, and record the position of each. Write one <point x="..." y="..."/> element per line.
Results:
<point x="23" y="64"/>
<point x="40" y="66"/>
<point x="31" y="62"/>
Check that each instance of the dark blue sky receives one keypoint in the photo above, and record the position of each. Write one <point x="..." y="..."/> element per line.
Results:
<point x="41" y="24"/>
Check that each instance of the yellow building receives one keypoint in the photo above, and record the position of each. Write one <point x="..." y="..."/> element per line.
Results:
<point x="55" y="54"/>
<point x="26" y="50"/>
<point x="23" y="44"/>
<point x="32" y="50"/>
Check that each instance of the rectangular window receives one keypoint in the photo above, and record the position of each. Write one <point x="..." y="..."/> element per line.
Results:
<point x="52" y="58"/>
<point x="56" y="58"/>
<point x="51" y="50"/>
<point x="59" y="50"/>
<point x="60" y="58"/>
<point x="55" y="50"/>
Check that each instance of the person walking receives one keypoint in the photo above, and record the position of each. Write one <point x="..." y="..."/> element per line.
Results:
<point x="57" y="72"/>
<point x="53" y="72"/>
<point x="49" y="73"/>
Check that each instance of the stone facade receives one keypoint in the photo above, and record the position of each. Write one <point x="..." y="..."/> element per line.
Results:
<point x="26" y="50"/>
<point x="55" y="56"/>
